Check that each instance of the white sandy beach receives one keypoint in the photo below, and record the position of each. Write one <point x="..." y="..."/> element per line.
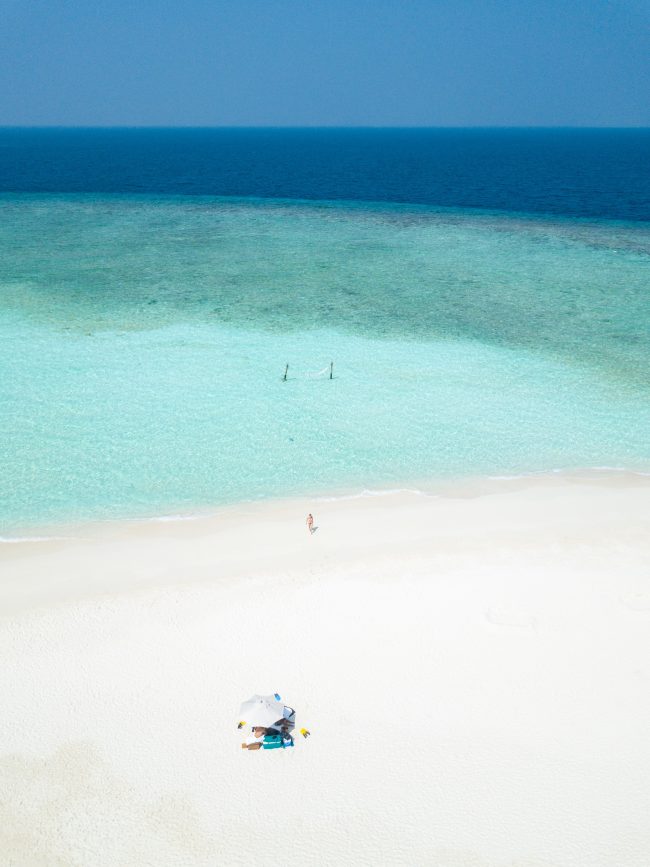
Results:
<point x="474" y="668"/>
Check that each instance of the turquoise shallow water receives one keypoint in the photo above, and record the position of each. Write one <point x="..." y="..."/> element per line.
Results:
<point x="144" y="339"/>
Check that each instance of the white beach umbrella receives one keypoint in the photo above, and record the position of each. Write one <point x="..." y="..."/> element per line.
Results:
<point x="262" y="710"/>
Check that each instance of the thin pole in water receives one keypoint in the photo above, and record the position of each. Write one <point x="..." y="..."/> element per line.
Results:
<point x="286" y="370"/>
<point x="331" y="370"/>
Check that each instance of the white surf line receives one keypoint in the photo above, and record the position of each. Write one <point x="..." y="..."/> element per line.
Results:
<point x="19" y="540"/>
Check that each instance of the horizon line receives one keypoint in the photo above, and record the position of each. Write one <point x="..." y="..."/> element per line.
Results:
<point x="326" y="126"/>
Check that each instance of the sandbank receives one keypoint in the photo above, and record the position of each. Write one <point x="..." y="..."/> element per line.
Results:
<point x="473" y="664"/>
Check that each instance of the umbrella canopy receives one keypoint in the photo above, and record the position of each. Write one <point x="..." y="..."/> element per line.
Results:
<point x="262" y="710"/>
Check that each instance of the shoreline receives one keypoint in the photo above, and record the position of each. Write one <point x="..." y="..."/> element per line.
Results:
<point x="225" y="543"/>
<point x="68" y="530"/>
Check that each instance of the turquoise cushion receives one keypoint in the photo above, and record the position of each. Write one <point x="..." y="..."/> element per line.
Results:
<point x="275" y="742"/>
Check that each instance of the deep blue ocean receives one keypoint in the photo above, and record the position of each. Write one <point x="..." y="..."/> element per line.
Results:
<point x="484" y="296"/>
<point x="573" y="172"/>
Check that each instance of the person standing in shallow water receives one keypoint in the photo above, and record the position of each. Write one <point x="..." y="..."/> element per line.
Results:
<point x="310" y="523"/>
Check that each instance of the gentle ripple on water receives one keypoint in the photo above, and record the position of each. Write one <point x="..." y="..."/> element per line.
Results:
<point x="143" y="341"/>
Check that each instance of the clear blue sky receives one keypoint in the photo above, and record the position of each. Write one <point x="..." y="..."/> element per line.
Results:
<point x="325" y="62"/>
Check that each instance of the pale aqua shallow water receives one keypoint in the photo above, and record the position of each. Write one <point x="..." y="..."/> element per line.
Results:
<point x="144" y="339"/>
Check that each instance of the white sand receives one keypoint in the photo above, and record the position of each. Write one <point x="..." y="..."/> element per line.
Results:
<point x="475" y="671"/>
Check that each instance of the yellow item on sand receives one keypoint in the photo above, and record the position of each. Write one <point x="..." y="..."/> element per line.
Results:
<point x="305" y="733"/>
<point x="241" y="724"/>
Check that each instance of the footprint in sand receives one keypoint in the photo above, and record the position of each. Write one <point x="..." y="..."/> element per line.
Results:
<point x="510" y="617"/>
<point x="636" y="601"/>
